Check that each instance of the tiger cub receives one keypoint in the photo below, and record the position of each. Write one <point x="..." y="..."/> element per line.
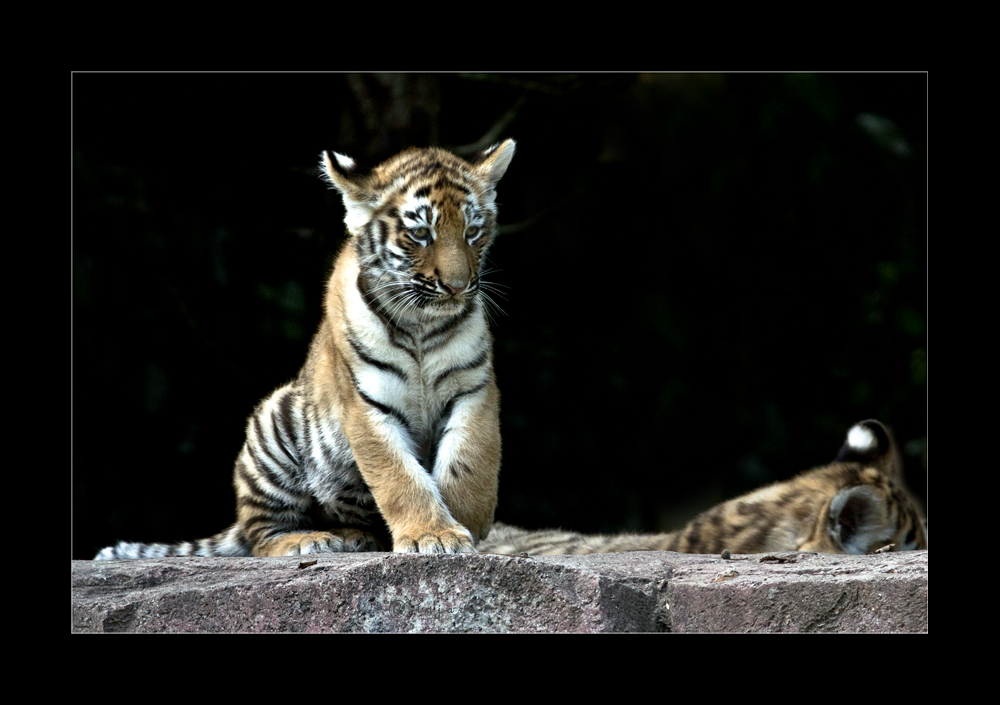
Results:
<point x="857" y="504"/>
<point x="390" y="434"/>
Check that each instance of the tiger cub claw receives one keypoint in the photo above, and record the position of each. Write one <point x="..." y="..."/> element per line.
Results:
<point x="451" y="540"/>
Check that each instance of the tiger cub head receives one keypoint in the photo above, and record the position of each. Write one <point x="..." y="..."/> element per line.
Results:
<point x="421" y="223"/>
<point x="873" y="509"/>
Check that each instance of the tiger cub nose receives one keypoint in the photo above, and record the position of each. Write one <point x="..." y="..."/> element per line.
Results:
<point x="453" y="286"/>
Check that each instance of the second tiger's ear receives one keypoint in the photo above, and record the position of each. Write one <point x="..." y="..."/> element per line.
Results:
<point x="492" y="163"/>
<point x="338" y="170"/>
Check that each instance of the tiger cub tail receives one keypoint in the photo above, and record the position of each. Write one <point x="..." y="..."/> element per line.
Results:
<point x="228" y="543"/>
<point x="871" y="443"/>
<point x="513" y="541"/>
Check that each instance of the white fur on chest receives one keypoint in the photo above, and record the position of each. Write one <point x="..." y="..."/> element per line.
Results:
<point x="433" y="372"/>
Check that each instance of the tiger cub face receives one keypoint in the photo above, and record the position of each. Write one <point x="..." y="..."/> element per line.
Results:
<point x="423" y="222"/>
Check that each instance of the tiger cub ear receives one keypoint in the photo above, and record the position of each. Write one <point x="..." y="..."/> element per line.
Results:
<point x="491" y="164"/>
<point x="339" y="170"/>
<point x="857" y="519"/>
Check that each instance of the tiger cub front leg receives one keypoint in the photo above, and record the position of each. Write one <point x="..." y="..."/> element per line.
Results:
<point x="467" y="464"/>
<point x="407" y="496"/>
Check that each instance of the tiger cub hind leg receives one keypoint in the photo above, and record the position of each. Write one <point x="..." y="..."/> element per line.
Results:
<point x="333" y="541"/>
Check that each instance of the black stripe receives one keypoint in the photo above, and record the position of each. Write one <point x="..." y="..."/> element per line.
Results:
<point x="439" y="427"/>
<point x="750" y="541"/>
<point x="373" y="361"/>
<point x="470" y="365"/>
<point x="383" y="236"/>
<point x="914" y="518"/>
<point x="387" y="410"/>
<point x="375" y="306"/>
<point x="671" y="544"/>
<point x="360" y="503"/>
<point x="346" y="500"/>
<point x="371" y="301"/>
<point x="265" y="452"/>
<point x="243" y="474"/>
<point x="393" y="256"/>
<point x="311" y="438"/>
<point x="265" y="505"/>
<point x="262" y="527"/>
<point x="568" y="547"/>
<point x="242" y="548"/>
<point x="447" y="170"/>
<point x="311" y="422"/>
<point x="458" y="395"/>
<point x="294" y="468"/>
<point x="443" y="182"/>
<point x="255" y="526"/>
<point x="692" y="536"/>
<point x="448" y="325"/>
<point x="332" y="451"/>
<point x="285" y="407"/>
<point x="259" y="529"/>
<point x="370" y="236"/>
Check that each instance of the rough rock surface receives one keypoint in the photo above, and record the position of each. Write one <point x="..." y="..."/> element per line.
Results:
<point x="623" y="592"/>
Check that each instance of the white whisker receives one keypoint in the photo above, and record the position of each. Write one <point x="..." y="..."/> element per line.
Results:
<point x="492" y="288"/>
<point x="491" y="304"/>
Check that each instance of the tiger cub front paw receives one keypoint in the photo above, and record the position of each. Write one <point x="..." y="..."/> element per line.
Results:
<point x="452" y="539"/>
<point x="335" y="541"/>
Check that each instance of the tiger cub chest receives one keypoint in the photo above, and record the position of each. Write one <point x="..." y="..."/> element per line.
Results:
<point x="419" y="373"/>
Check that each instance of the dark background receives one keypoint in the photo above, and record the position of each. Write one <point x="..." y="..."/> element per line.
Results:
<point x="711" y="277"/>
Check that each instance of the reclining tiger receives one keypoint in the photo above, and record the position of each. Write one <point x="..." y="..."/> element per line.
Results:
<point x="857" y="504"/>
<point x="390" y="434"/>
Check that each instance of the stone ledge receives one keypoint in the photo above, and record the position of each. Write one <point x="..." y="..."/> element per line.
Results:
<point x="620" y="592"/>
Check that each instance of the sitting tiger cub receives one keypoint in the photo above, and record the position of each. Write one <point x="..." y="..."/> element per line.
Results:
<point x="857" y="504"/>
<point x="390" y="434"/>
